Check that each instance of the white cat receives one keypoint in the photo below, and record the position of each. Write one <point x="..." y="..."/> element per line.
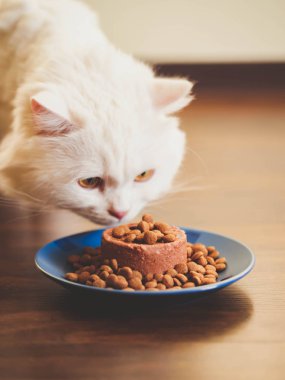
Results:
<point x="89" y="126"/>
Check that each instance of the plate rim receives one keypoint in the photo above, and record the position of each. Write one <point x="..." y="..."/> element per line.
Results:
<point x="195" y="290"/>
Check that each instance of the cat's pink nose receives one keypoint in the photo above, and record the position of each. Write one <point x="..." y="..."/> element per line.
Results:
<point x="116" y="213"/>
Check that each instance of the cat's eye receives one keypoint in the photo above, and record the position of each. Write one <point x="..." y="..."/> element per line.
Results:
<point x="91" y="182"/>
<point x="144" y="176"/>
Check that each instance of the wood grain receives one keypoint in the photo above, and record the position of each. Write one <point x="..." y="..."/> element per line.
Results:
<point x="236" y="167"/>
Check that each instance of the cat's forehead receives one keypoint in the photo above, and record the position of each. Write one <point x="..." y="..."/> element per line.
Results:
<point x="119" y="150"/>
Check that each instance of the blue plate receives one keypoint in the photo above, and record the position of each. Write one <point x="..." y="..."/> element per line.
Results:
<point x="52" y="261"/>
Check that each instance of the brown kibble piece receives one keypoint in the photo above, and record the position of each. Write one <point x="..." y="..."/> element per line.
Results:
<point x="197" y="280"/>
<point x="158" y="233"/>
<point x="209" y="280"/>
<point x="177" y="282"/>
<point x="168" y="281"/>
<point x="137" y="274"/>
<point x="104" y="275"/>
<point x="211" y="273"/>
<point x="149" y="277"/>
<point x="136" y="283"/>
<point x="107" y="268"/>
<point x="126" y="228"/>
<point x="220" y="267"/>
<point x="192" y="266"/>
<point x="129" y="289"/>
<point x="136" y="232"/>
<point x="71" y="277"/>
<point x="197" y="255"/>
<point x="169" y="238"/>
<point x="158" y="277"/>
<point x="221" y="260"/>
<point x="210" y="276"/>
<point x="73" y="259"/>
<point x="181" y="268"/>
<point x="118" y="232"/>
<point x="143" y="226"/>
<point x="94" y="277"/>
<point x="150" y="284"/>
<point x="200" y="269"/>
<point x="147" y="218"/>
<point x="130" y="238"/>
<point x="162" y="227"/>
<point x="182" y="278"/>
<point x="99" y="283"/>
<point x="161" y="286"/>
<point x="200" y="247"/>
<point x="214" y="254"/>
<point x="140" y="238"/>
<point x="117" y="282"/>
<point x="150" y="237"/>
<point x="210" y="260"/>
<point x="126" y="272"/>
<point x="114" y="264"/>
<point x="188" y="284"/>
<point x="172" y="272"/>
<point x="210" y="267"/>
<point x="151" y="225"/>
<point x="211" y="248"/>
<point x="202" y="261"/>
<point x="83" y="277"/>
<point x="189" y="252"/>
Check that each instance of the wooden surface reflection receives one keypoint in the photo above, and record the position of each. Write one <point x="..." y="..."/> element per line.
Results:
<point x="235" y="167"/>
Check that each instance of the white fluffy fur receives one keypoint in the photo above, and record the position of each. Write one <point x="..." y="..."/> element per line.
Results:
<point x="77" y="107"/>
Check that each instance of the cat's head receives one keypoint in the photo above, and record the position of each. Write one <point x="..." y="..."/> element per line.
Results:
<point x="106" y="159"/>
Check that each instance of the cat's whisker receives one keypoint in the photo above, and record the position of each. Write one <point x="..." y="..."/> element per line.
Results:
<point x="200" y="159"/>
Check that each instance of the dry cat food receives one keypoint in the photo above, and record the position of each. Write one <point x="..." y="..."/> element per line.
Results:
<point x="145" y="232"/>
<point x="200" y="267"/>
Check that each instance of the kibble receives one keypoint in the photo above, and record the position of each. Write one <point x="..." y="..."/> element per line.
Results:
<point x="136" y="283"/>
<point x="143" y="226"/>
<point x="202" y="267"/>
<point x="130" y="238"/>
<point x="118" y="232"/>
<point x="181" y="268"/>
<point x="168" y="281"/>
<point x="126" y="272"/>
<point x="151" y="284"/>
<point x="169" y="238"/>
<point x="162" y="227"/>
<point x="147" y="218"/>
<point x="71" y="276"/>
<point x="150" y="237"/>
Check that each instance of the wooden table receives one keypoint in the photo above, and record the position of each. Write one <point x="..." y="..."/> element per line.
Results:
<point x="237" y="154"/>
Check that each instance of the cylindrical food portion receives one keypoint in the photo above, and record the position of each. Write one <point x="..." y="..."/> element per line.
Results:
<point x="145" y="258"/>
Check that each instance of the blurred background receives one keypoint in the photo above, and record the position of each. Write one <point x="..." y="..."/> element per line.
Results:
<point x="187" y="31"/>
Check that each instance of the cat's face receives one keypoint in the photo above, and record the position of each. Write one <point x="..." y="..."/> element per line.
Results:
<point x="107" y="168"/>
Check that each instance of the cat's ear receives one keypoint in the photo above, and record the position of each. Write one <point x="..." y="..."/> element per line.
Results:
<point x="171" y="94"/>
<point x="50" y="115"/>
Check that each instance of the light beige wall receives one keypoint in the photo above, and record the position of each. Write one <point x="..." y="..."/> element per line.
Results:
<point x="196" y="30"/>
